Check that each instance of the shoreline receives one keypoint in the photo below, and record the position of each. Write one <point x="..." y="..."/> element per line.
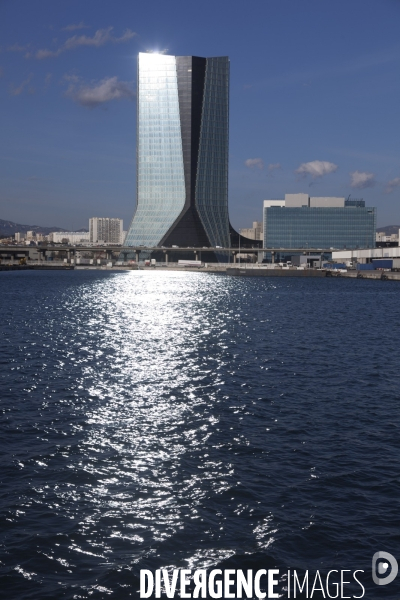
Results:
<point x="245" y="271"/>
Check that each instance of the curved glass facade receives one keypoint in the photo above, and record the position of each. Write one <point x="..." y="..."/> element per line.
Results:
<point x="182" y="153"/>
<point x="212" y="170"/>
<point x="160" y="175"/>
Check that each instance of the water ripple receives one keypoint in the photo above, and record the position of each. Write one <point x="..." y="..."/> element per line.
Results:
<point x="160" y="420"/>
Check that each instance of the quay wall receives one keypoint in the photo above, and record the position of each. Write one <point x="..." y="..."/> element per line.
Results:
<point x="275" y="272"/>
<point x="249" y="271"/>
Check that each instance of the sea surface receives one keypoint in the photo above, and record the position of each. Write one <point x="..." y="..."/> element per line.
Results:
<point x="190" y="420"/>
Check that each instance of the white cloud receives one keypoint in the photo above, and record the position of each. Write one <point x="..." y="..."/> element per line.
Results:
<point x="100" y="38"/>
<point x="392" y="184"/>
<point x="80" y="25"/>
<point x="17" y="48"/>
<point x="41" y="54"/>
<point x="128" y="35"/>
<point x="100" y="93"/>
<point x="274" y="167"/>
<point x="316" y="168"/>
<point x="252" y="163"/>
<point x="16" y="91"/>
<point x="362" y="179"/>
<point x="164" y="51"/>
<point x="72" y="77"/>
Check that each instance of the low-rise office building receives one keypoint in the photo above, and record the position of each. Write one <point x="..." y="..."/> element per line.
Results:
<point x="301" y="221"/>
<point x="382" y="237"/>
<point x="69" y="237"/>
<point x="365" y="255"/>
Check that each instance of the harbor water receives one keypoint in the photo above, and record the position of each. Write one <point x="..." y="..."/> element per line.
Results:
<point x="168" y="420"/>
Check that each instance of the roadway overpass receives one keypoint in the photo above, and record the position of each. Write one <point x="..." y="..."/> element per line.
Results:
<point x="19" y="251"/>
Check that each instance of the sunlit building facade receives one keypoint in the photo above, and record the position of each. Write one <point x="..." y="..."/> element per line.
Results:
<point x="301" y="221"/>
<point x="106" y="230"/>
<point x="182" y="152"/>
<point x="69" y="237"/>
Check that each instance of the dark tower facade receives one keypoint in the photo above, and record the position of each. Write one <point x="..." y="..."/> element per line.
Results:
<point x="182" y="152"/>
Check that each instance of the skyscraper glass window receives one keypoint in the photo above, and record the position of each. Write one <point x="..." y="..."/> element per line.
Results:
<point x="182" y="152"/>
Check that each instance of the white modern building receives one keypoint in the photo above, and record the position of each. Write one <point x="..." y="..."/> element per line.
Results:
<point x="366" y="255"/>
<point x="106" y="230"/>
<point x="382" y="237"/>
<point x="69" y="237"/>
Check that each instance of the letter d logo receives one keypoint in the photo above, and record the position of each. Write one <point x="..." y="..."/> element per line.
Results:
<point x="382" y="567"/>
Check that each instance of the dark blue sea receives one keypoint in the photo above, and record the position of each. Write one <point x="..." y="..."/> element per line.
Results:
<point x="187" y="420"/>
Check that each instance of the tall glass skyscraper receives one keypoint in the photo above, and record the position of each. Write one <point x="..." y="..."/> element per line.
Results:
<point x="182" y="152"/>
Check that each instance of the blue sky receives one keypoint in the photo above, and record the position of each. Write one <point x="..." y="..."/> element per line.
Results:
<point x="314" y="101"/>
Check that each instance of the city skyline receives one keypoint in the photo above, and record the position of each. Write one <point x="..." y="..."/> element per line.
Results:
<point x="313" y="102"/>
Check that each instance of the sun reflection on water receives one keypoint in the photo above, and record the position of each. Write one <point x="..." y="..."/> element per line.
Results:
<point x="151" y="350"/>
<point x="160" y="420"/>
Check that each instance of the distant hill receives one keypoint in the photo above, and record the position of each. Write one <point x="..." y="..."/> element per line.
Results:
<point x="389" y="229"/>
<point x="9" y="228"/>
